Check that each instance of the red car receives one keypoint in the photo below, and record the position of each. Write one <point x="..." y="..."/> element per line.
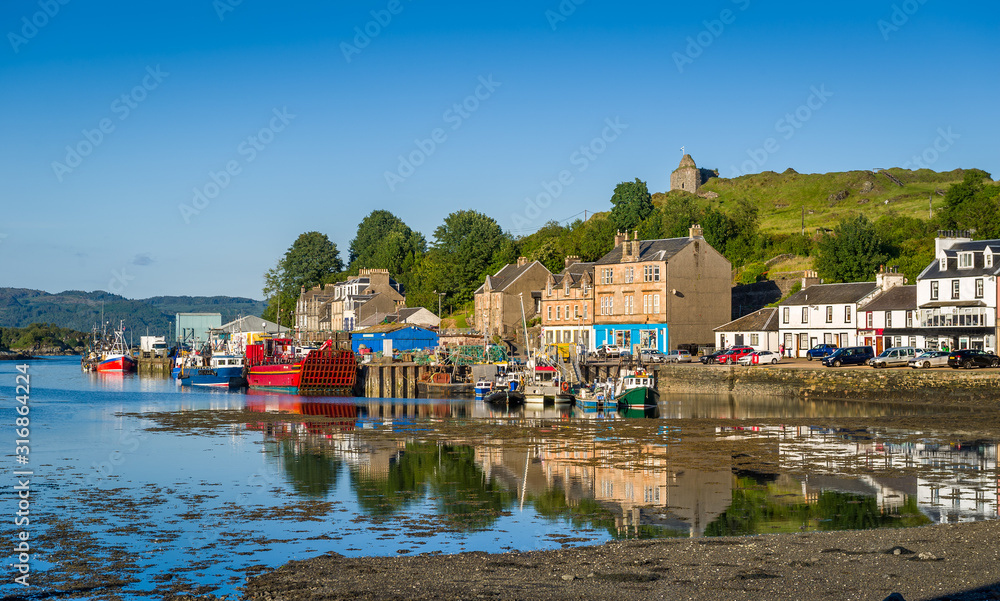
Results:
<point x="731" y="356"/>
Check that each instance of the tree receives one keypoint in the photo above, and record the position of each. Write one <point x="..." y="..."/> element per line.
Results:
<point x="383" y="241"/>
<point x="310" y="260"/>
<point x="853" y="253"/>
<point x="632" y="205"/>
<point x="462" y="253"/>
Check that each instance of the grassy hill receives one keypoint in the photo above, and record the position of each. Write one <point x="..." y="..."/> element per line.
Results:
<point x="826" y="198"/>
<point x="79" y="310"/>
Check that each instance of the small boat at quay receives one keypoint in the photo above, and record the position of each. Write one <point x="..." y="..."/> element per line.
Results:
<point x="636" y="388"/>
<point x="483" y="388"/>
<point x="220" y="371"/>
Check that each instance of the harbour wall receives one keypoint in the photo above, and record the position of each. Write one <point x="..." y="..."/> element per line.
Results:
<point x="832" y="383"/>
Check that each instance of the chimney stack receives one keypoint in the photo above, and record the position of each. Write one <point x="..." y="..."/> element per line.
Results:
<point x="522" y="261"/>
<point x="809" y="278"/>
<point x="619" y="238"/>
<point x="695" y="231"/>
<point x="571" y="260"/>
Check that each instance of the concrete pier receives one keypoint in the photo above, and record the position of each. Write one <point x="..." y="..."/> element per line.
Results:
<point x="391" y="380"/>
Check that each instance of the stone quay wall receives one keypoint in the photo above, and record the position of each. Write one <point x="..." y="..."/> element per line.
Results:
<point x="900" y="383"/>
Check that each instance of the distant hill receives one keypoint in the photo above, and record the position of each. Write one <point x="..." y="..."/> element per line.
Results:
<point x="79" y="310"/>
<point x="826" y="198"/>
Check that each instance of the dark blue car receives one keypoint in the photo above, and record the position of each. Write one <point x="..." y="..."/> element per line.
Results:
<point x="849" y="355"/>
<point x="819" y="351"/>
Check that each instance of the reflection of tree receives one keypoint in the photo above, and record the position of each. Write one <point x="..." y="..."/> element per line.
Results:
<point x="311" y="474"/>
<point x="755" y="510"/>
<point x="446" y="473"/>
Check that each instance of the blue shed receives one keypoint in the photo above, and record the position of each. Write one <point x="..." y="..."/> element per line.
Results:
<point x="394" y="336"/>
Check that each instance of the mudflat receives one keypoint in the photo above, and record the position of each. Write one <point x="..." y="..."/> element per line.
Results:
<point x="953" y="561"/>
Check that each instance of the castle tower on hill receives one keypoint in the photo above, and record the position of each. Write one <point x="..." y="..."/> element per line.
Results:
<point x="686" y="177"/>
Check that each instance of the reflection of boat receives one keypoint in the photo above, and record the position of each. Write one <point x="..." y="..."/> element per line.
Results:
<point x="639" y="411"/>
<point x="222" y="370"/>
<point x="636" y="388"/>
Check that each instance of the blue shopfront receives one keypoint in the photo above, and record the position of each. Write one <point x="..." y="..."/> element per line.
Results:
<point x="643" y="336"/>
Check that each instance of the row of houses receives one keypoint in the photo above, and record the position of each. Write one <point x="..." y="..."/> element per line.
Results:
<point x="953" y="304"/>
<point x="677" y="293"/>
<point x="371" y="298"/>
<point x="655" y="294"/>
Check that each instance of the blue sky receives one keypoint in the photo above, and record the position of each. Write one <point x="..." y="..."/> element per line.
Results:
<point x="286" y="120"/>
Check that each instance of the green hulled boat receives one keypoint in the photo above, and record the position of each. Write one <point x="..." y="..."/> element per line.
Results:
<point x="637" y="389"/>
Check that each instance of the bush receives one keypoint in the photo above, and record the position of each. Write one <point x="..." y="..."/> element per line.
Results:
<point x="752" y="273"/>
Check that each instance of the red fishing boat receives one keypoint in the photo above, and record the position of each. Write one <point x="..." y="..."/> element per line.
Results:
<point x="109" y="353"/>
<point x="275" y="364"/>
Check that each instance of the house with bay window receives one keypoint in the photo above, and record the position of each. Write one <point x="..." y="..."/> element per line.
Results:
<point x="758" y="329"/>
<point x="957" y="293"/>
<point x="660" y="294"/>
<point x="567" y="305"/>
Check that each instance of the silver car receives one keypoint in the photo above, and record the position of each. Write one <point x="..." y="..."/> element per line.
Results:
<point x="678" y="356"/>
<point x="930" y="359"/>
<point x="896" y="356"/>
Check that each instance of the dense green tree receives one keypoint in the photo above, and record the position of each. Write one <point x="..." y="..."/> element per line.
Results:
<point x="853" y="253"/>
<point x="383" y="241"/>
<point x="632" y="204"/>
<point x="309" y="261"/>
<point x="462" y="254"/>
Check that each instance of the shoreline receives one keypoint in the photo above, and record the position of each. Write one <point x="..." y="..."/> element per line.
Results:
<point x="958" y="562"/>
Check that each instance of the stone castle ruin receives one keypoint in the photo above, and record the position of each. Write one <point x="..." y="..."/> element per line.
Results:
<point x="689" y="177"/>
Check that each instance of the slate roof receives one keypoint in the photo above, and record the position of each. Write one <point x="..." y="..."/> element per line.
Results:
<point x="649" y="250"/>
<point x="575" y="273"/>
<point x="506" y="276"/>
<point x="831" y="294"/>
<point x="934" y="271"/>
<point x="897" y="298"/>
<point x="762" y="320"/>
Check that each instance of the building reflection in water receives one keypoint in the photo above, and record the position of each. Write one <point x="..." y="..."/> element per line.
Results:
<point x="634" y="478"/>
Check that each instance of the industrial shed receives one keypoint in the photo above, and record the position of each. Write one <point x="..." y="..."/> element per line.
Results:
<point x="394" y="336"/>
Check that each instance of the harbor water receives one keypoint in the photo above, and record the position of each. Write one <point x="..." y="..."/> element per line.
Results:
<point x="140" y="487"/>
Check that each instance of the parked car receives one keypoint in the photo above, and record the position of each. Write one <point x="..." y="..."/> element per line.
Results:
<point x="712" y="357"/>
<point x="970" y="357"/>
<point x="930" y="359"/>
<point x="849" y="355"/>
<point x="679" y="356"/>
<point x="760" y="358"/>
<point x="819" y="351"/>
<point x="896" y="356"/>
<point x="652" y="356"/>
<point x="733" y="354"/>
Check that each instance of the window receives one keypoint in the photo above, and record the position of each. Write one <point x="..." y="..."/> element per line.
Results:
<point x="754" y="339"/>
<point x="829" y="314"/>
<point x="954" y="289"/>
<point x="629" y="274"/>
<point x="567" y="312"/>
<point x="934" y="290"/>
<point x="607" y="276"/>
<point x="964" y="260"/>
<point x="548" y="314"/>
<point x="576" y="311"/>
<point x="943" y="263"/>
<point x="805" y="314"/>
<point x="558" y="313"/>
<point x="979" y="288"/>
<point x="913" y="341"/>
<point x="868" y="320"/>
<point x="629" y="304"/>
<point x="847" y="314"/>
<point x="988" y="258"/>
<point x="888" y="319"/>
<point x="651" y="273"/>
<point x="909" y="320"/>
<point x="585" y="311"/>
<point x="548" y="289"/>
<point x="784" y="315"/>
<point x="607" y="305"/>
<point x="656" y="303"/>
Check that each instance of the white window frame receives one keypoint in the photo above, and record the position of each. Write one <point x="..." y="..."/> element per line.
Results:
<point x="829" y="314"/>
<point x="847" y="314"/>
<point x="956" y="289"/>
<point x="934" y="290"/>
<point x="785" y="315"/>
<point x="805" y="315"/>
<point x="965" y="260"/>
<point x="980" y="288"/>
<point x="943" y="263"/>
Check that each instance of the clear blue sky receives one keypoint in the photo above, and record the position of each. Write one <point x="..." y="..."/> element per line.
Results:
<point x="184" y="90"/>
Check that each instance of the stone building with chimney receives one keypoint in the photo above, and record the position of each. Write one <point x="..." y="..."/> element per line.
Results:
<point x="660" y="294"/>
<point x="567" y="304"/>
<point x="499" y="300"/>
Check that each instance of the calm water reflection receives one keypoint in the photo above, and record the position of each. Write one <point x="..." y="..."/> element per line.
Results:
<point x="238" y="480"/>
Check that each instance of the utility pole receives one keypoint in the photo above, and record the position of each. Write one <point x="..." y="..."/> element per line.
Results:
<point x="803" y="232"/>
<point x="930" y="205"/>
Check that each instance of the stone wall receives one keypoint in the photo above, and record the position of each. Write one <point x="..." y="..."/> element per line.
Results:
<point x="832" y="383"/>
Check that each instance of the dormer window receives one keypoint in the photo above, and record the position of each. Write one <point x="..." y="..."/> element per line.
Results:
<point x="965" y="260"/>
<point x="988" y="257"/>
<point x="944" y="263"/>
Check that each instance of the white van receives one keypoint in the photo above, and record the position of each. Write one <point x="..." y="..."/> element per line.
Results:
<point x="897" y="356"/>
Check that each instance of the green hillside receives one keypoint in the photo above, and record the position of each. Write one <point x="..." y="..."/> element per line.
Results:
<point x="827" y="198"/>
<point x="81" y="311"/>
